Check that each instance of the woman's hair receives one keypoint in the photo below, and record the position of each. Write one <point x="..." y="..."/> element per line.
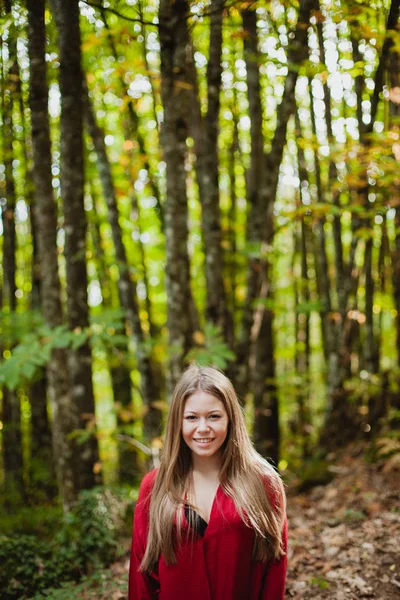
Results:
<point x="245" y="476"/>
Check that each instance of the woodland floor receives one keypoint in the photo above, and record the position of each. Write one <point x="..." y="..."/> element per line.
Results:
<point x="344" y="538"/>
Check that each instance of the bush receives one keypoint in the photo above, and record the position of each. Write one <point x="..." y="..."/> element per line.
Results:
<point x="86" y="541"/>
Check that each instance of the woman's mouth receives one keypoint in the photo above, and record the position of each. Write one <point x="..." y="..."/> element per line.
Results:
<point x="203" y="440"/>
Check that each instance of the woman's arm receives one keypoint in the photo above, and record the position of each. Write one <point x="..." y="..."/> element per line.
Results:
<point x="275" y="580"/>
<point x="142" y="586"/>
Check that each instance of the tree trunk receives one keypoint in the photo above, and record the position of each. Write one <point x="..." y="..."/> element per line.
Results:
<point x="333" y="173"/>
<point x="206" y="147"/>
<point x="341" y="415"/>
<point x="265" y="387"/>
<point x="131" y="127"/>
<point x="42" y="478"/>
<point x="321" y="258"/>
<point x="303" y="319"/>
<point x="371" y="356"/>
<point x="126" y="284"/>
<point x="72" y="179"/>
<point x="232" y="264"/>
<point x="11" y="409"/>
<point x="394" y="82"/>
<point x="118" y="367"/>
<point x="254" y="222"/>
<point x="135" y="217"/>
<point x="64" y="418"/>
<point x="174" y="46"/>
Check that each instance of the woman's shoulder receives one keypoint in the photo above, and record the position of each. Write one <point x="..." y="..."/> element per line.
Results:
<point x="273" y="485"/>
<point x="148" y="481"/>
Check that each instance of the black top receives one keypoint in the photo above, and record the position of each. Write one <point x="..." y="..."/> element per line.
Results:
<point x="196" y="522"/>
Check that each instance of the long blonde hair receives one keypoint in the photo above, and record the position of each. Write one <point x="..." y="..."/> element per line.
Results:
<point x="244" y="475"/>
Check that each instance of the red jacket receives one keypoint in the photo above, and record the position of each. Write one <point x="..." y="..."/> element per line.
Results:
<point x="218" y="566"/>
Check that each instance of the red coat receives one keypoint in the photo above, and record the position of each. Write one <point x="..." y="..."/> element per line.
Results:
<point x="218" y="566"/>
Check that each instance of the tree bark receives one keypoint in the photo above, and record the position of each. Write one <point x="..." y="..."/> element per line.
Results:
<point x="117" y="363"/>
<point x="371" y="356"/>
<point x="254" y="176"/>
<point x="72" y="179"/>
<point x="11" y="409"/>
<point x="232" y="266"/>
<point x="394" y="82"/>
<point x="64" y="417"/>
<point x="126" y="284"/>
<point x="131" y="126"/>
<point x="259" y="285"/>
<point x="303" y="319"/>
<point x="206" y="146"/>
<point x="174" y="45"/>
<point x="321" y="258"/>
<point x="42" y="480"/>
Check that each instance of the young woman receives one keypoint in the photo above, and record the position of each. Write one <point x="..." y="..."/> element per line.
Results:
<point x="210" y="521"/>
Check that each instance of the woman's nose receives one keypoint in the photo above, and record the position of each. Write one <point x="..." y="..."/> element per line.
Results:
<point x="203" y="425"/>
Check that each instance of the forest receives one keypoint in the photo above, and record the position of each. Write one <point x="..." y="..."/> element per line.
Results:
<point x="208" y="181"/>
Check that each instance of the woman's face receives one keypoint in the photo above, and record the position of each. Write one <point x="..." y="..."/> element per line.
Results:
<point x="205" y="424"/>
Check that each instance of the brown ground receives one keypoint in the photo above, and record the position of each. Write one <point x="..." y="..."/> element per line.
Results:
<point x="345" y="536"/>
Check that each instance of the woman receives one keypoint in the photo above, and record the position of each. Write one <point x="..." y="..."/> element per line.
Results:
<point x="210" y="521"/>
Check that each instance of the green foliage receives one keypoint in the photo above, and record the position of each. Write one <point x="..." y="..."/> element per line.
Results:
<point x="212" y="350"/>
<point x="39" y="521"/>
<point x="22" y="560"/>
<point x="314" y="472"/>
<point x="353" y="516"/>
<point x="103" y="582"/>
<point x="320" y="582"/>
<point x="13" y="325"/>
<point x="386" y="448"/>
<point x="34" y="349"/>
<point x="86" y="540"/>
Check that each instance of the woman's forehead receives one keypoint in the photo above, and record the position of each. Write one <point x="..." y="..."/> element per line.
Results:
<point x="203" y="402"/>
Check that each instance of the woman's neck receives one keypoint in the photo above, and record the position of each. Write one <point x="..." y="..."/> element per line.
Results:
<point x="206" y="467"/>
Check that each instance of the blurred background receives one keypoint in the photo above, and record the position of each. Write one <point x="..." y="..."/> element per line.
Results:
<point x="212" y="181"/>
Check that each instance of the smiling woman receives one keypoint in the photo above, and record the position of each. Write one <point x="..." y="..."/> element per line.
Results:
<point x="210" y="521"/>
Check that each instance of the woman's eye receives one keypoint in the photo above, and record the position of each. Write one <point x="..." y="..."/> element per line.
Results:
<point x="190" y="417"/>
<point x="214" y="417"/>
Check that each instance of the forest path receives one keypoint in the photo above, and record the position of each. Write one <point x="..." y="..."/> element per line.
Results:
<point x="344" y="538"/>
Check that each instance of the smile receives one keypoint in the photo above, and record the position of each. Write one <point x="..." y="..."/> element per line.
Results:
<point x="203" y="440"/>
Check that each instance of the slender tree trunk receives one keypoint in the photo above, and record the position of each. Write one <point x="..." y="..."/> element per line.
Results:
<point x="72" y="178"/>
<point x="333" y="173"/>
<point x="41" y="467"/>
<point x="232" y="266"/>
<point x="204" y="131"/>
<point x="119" y="368"/>
<point x="174" y="46"/>
<point x="396" y="281"/>
<point x="254" y="235"/>
<point x="131" y="127"/>
<point x="321" y="258"/>
<point x="370" y="349"/>
<point x="207" y="160"/>
<point x="384" y="272"/>
<point x="394" y="82"/>
<point x="64" y="417"/>
<point x="266" y="432"/>
<point x="11" y="409"/>
<point x="303" y="338"/>
<point x="265" y="397"/>
<point x="135" y="217"/>
<point x="126" y="284"/>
